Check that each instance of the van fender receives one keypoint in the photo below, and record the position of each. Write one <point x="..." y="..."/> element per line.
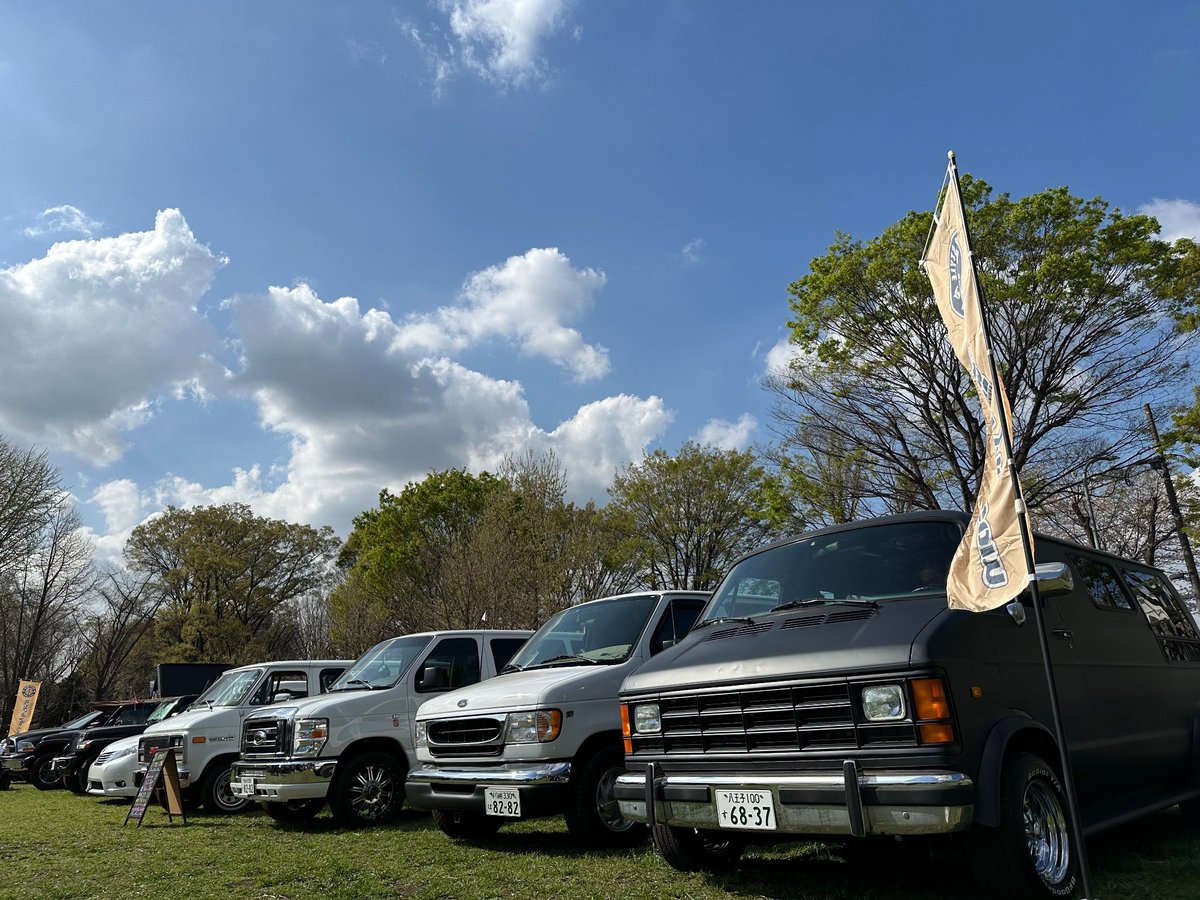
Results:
<point x="1027" y="731"/>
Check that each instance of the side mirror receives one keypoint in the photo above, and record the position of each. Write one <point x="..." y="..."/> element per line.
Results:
<point x="281" y="697"/>
<point x="434" y="678"/>
<point x="1054" y="579"/>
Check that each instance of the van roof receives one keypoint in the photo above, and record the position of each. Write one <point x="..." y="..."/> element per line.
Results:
<point x="294" y="662"/>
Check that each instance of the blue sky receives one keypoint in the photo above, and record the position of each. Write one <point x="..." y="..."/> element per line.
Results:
<point x="290" y="253"/>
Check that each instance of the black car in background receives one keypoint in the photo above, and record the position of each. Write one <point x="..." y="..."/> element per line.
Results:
<point x="71" y="766"/>
<point x="27" y="756"/>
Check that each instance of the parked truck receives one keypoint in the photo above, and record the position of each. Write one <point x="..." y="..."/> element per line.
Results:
<point x="205" y="738"/>
<point x="545" y="739"/>
<point x="354" y="746"/>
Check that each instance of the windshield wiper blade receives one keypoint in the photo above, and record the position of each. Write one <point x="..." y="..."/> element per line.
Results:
<point x="356" y="682"/>
<point x="816" y="601"/>
<point x="706" y="623"/>
<point x="564" y="658"/>
<point x="511" y="667"/>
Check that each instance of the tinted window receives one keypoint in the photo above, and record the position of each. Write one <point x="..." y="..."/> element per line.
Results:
<point x="675" y="624"/>
<point x="503" y="650"/>
<point x="132" y="715"/>
<point x="328" y="677"/>
<point x="1170" y="622"/>
<point x="1101" y="583"/>
<point x="453" y="663"/>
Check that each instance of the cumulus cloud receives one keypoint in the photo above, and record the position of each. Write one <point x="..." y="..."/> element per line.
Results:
<point x="99" y="330"/>
<point x="527" y="300"/>
<point x="60" y="220"/>
<point x="365" y="406"/>
<point x="691" y="251"/>
<point x="726" y="435"/>
<point x="1178" y="218"/>
<point x="779" y="357"/>
<point x="499" y="40"/>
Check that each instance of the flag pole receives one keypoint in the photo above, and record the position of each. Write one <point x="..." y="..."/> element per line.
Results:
<point x="1030" y="567"/>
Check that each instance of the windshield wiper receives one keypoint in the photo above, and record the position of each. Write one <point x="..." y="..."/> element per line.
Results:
<point x="707" y="622"/>
<point x="511" y="667"/>
<point x="815" y="601"/>
<point x="366" y="684"/>
<point x="565" y="658"/>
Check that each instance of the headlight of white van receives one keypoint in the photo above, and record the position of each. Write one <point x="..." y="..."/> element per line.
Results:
<point x="531" y="727"/>
<point x="310" y="737"/>
<point x="647" y="719"/>
<point x="883" y="702"/>
<point x="422" y="734"/>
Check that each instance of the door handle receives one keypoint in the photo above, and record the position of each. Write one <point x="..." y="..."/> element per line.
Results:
<point x="1063" y="633"/>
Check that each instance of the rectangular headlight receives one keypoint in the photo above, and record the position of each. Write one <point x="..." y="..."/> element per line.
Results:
<point x="539" y="725"/>
<point x="883" y="702"/>
<point x="310" y="737"/>
<point x="422" y="734"/>
<point x="647" y="719"/>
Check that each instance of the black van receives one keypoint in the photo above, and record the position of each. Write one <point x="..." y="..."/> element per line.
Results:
<point x="827" y="690"/>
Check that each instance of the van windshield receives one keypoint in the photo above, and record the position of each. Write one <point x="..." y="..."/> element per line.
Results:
<point x="382" y="666"/>
<point x="230" y="689"/>
<point x="604" y="631"/>
<point x="861" y="565"/>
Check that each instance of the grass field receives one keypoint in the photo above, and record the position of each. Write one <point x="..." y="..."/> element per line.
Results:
<point x="58" y="845"/>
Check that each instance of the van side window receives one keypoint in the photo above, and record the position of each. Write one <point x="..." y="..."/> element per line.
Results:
<point x="503" y="650"/>
<point x="1171" y="623"/>
<point x="453" y="663"/>
<point x="676" y="623"/>
<point x="328" y="677"/>
<point x="281" y="681"/>
<point x="1101" y="582"/>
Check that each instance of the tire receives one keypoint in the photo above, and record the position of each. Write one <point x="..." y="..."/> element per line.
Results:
<point x="216" y="795"/>
<point x="76" y="783"/>
<point x="466" y="826"/>
<point x="693" y="850"/>
<point x="368" y="790"/>
<point x="293" y="812"/>
<point x="592" y="814"/>
<point x="40" y="777"/>
<point x="1031" y="853"/>
<point x="5" y="779"/>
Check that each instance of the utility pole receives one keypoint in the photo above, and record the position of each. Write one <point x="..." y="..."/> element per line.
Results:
<point x="1160" y="463"/>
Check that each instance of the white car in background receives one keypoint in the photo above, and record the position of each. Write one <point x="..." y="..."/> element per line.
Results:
<point x="111" y="774"/>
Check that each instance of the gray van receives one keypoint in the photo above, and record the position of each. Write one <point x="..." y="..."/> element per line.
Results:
<point x="827" y="690"/>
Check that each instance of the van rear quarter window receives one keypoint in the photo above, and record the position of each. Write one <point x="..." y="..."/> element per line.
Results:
<point x="1171" y="623"/>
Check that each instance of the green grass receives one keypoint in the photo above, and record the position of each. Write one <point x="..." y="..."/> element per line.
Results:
<point x="57" y="845"/>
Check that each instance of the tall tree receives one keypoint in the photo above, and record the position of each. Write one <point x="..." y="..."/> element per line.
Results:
<point x="114" y="626"/>
<point x="224" y="576"/>
<point x="1086" y="307"/>
<point x="694" y="513"/>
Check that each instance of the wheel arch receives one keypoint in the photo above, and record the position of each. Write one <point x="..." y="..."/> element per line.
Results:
<point x="386" y="745"/>
<point x="1014" y="734"/>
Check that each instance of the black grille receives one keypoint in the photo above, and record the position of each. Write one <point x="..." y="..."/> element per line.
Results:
<point x="844" y="615"/>
<point x="795" y="718"/>
<point x="466" y="737"/>
<point x="264" y="737"/>
<point x="753" y="628"/>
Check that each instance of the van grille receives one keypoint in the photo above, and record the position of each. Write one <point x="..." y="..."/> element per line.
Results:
<point x="481" y="736"/>
<point x="795" y="718"/>
<point x="264" y="737"/>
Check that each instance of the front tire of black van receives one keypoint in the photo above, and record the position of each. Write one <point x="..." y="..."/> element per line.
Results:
<point x="693" y="850"/>
<point x="465" y="826"/>
<point x="1031" y="853"/>
<point x="593" y="816"/>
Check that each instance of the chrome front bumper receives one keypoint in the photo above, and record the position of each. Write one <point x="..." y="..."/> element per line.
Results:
<point x="16" y="762"/>
<point x="836" y="803"/>
<point x="283" y="780"/>
<point x="512" y="775"/>
<point x="542" y="786"/>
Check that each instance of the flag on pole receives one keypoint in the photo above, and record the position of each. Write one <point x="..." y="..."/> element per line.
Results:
<point x="988" y="569"/>
<point x="27" y="698"/>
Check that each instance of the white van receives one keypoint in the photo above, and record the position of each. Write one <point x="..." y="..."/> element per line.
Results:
<point x="205" y="738"/>
<point x="354" y="745"/>
<point x="546" y="739"/>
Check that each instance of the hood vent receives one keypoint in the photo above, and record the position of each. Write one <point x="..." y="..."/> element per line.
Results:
<point x="741" y="630"/>
<point x="842" y="615"/>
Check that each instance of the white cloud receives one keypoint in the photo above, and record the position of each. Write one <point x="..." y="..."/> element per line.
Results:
<point x="60" y="219"/>
<point x="1178" y="218"/>
<point x="527" y="300"/>
<point x="779" y="357"/>
<point x="99" y="330"/>
<point x="499" y="40"/>
<point x="691" y="251"/>
<point x="726" y="435"/>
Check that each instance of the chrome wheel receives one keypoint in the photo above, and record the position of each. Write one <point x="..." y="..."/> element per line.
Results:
<point x="1046" y="833"/>
<point x="372" y="792"/>
<point x="606" y="802"/>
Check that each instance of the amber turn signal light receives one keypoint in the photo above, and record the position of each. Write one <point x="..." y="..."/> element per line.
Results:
<point x="625" y="730"/>
<point x="929" y="698"/>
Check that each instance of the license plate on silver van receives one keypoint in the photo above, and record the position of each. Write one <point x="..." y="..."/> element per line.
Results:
<point x="754" y="810"/>
<point x="502" y="802"/>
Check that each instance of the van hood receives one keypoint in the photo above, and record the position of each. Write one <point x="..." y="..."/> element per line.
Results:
<point x="197" y="715"/>
<point x="320" y="705"/>
<point x="826" y="639"/>
<point x="523" y="690"/>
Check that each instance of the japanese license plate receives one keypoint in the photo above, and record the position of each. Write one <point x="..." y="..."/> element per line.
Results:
<point x="245" y="786"/>
<point x="753" y="810"/>
<point x="502" y="802"/>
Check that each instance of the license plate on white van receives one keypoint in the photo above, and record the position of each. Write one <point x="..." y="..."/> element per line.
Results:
<point x="754" y="810"/>
<point x="502" y="802"/>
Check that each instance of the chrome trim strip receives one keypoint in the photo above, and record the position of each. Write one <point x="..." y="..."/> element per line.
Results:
<point x="535" y="773"/>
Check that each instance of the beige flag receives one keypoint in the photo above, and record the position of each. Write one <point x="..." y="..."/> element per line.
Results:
<point x="988" y="569"/>
<point x="27" y="697"/>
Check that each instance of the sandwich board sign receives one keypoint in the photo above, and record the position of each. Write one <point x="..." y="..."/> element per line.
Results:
<point x="162" y="767"/>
